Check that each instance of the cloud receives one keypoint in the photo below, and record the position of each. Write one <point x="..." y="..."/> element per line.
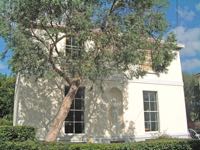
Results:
<point x="186" y="14"/>
<point x="190" y="37"/>
<point x="198" y="7"/>
<point x="190" y="65"/>
<point x="2" y="66"/>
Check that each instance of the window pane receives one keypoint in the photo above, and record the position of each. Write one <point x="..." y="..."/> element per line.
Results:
<point x="146" y="106"/>
<point x="153" y="106"/>
<point x="79" y="115"/>
<point x="79" y="104"/>
<point x="152" y="96"/>
<point x="72" y="106"/>
<point x="70" y="116"/>
<point x="146" y="116"/>
<point x="68" y="127"/>
<point x="154" y="126"/>
<point x="66" y="90"/>
<point x="80" y="93"/>
<point x="154" y="116"/>
<point x="145" y="96"/>
<point x="79" y="127"/>
<point x="147" y="126"/>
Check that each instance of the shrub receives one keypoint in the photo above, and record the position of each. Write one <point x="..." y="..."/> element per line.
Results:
<point x="16" y="133"/>
<point x="5" y="122"/>
<point x="28" y="145"/>
<point x="150" y="145"/>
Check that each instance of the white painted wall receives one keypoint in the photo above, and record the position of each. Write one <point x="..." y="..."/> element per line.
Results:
<point x="36" y="104"/>
<point x="172" y="116"/>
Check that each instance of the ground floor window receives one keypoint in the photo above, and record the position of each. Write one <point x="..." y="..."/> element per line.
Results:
<point x="150" y="111"/>
<point x="74" y="122"/>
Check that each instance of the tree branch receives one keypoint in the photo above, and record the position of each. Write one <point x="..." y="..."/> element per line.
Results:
<point x="56" y="69"/>
<point x="112" y="7"/>
<point x="54" y="42"/>
<point x="39" y="39"/>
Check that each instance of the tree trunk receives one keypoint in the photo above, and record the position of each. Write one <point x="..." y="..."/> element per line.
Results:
<point x="62" y="113"/>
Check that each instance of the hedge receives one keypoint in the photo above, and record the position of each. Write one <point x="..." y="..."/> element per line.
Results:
<point x="5" y="122"/>
<point x="16" y="133"/>
<point x="28" y="145"/>
<point x="149" y="145"/>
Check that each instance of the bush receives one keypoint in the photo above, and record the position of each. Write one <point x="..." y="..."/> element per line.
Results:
<point x="28" y="145"/>
<point x="16" y="133"/>
<point x="5" y="122"/>
<point x="150" y="145"/>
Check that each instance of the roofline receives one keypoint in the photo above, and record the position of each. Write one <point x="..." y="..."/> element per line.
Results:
<point x="180" y="46"/>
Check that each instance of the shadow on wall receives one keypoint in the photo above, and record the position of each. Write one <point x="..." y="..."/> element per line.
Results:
<point x="38" y="102"/>
<point x="105" y="104"/>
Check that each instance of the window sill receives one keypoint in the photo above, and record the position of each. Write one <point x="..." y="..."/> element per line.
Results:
<point x="74" y="134"/>
<point x="151" y="131"/>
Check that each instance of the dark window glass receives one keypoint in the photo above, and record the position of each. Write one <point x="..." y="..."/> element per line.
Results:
<point x="147" y="117"/>
<point x="146" y="106"/>
<point x="68" y="127"/>
<point x="79" y="116"/>
<point x="79" y="104"/>
<point x="79" y="127"/>
<point x="145" y="96"/>
<point x="147" y="126"/>
<point x="154" y="126"/>
<point x="153" y="106"/>
<point x="80" y="93"/>
<point x="152" y="96"/>
<point x="153" y="116"/>
<point x="70" y="116"/>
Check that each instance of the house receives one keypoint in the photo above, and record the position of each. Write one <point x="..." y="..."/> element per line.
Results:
<point x="107" y="111"/>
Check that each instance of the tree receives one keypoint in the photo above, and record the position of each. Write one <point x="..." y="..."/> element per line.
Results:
<point x="119" y="32"/>
<point x="192" y="97"/>
<point x="7" y="88"/>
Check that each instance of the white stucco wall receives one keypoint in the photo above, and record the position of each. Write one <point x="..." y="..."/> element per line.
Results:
<point x="171" y="102"/>
<point x="113" y="111"/>
<point x="171" y="107"/>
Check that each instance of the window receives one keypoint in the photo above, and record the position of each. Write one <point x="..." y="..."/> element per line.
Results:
<point x="150" y="111"/>
<point x="72" y="48"/>
<point x="73" y="55"/>
<point x="74" y="122"/>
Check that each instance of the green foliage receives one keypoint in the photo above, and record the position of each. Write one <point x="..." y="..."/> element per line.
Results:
<point x="28" y="145"/>
<point x="192" y="96"/>
<point x="7" y="88"/>
<point x="5" y="122"/>
<point x="120" y="31"/>
<point x="150" y="145"/>
<point x="16" y="133"/>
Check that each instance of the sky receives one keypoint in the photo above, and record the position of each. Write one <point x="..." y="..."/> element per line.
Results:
<point x="184" y="19"/>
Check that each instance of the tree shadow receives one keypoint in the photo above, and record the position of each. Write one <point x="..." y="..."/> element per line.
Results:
<point x="38" y="102"/>
<point x="105" y="104"/>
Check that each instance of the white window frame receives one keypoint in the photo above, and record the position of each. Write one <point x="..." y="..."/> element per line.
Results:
<point x="149" y="101"/>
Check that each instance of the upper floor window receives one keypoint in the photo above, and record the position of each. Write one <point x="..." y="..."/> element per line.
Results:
<point x="150" y="111"/>
<point x="72" y="48"/>
<point x="74" y="122"/>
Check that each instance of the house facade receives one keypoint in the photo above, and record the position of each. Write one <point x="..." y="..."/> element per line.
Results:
<point x="111" y="110"/>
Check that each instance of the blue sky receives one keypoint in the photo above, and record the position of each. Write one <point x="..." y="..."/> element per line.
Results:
<point x="186" y="27"/>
